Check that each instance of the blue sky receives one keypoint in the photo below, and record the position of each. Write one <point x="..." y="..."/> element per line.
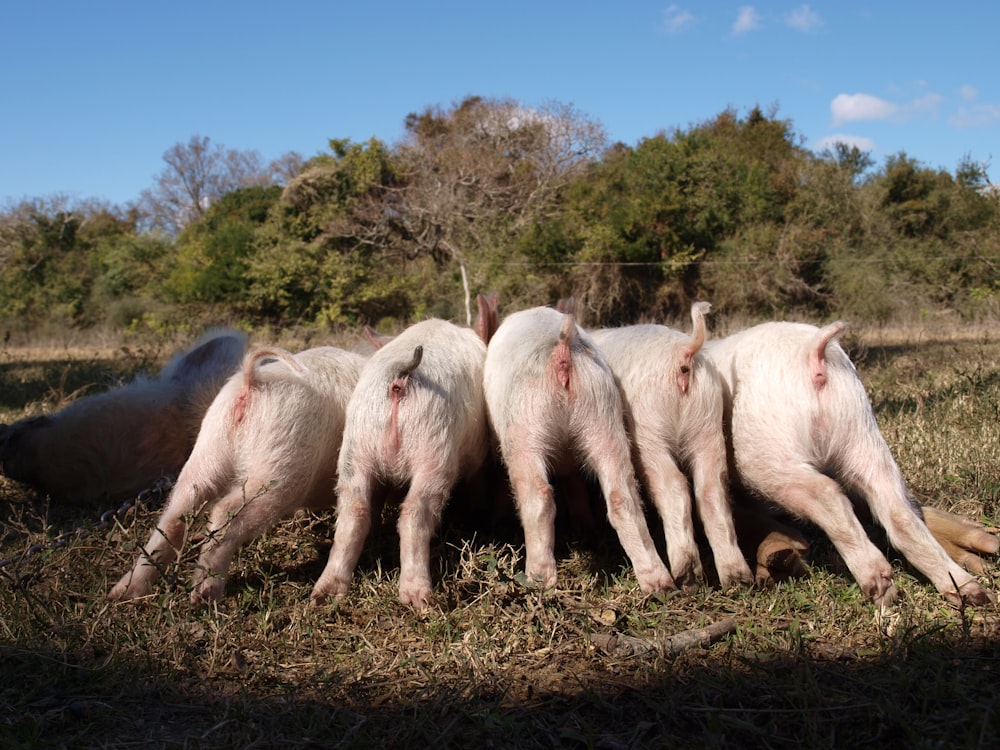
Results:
<point x="94" y="92"/>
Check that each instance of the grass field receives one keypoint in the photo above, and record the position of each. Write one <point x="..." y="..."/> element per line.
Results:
<point x="807" y="663"/>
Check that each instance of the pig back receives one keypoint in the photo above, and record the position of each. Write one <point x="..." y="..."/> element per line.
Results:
<point x="523" y="385"/>
<point x="442" y="412"/>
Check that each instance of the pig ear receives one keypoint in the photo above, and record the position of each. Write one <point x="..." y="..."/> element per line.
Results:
<point x="487" y="320"/>
<point x="204" y="354"/>
<point x="376" y="339"/>
<point x="567" y="305"/>
<point x="817" y="352"/>
<point x="493" y="302"/>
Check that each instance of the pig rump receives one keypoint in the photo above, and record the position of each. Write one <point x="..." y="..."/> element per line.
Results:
<point x="417" y="418"/>
<point x="804" y="436"/>
<point x="267" y="447"/>
<point x="552" y="400"/>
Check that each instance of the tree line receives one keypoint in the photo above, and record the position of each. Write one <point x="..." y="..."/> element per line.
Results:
<point x="536" y="204"/>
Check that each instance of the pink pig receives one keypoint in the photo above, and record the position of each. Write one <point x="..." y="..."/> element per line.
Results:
<point x="267" y="447"/>
<point x="417" y="418"/>
<point x="552" y="401"/>
<point x="804" y="436"/>
<point x="674" y="400"/>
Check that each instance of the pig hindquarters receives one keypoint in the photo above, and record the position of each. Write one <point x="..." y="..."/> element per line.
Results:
<point x="552" y="399"/>
<point x="416" y="418"/>
<point x="268" y="446"/>
<point x="805" y="437"/>
<point x="673" y="400"/>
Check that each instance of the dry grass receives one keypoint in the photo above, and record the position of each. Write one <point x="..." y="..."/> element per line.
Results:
<point x="498" y="663"/>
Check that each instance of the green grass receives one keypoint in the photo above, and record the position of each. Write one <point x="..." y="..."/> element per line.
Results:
<point x="497" y="663"/>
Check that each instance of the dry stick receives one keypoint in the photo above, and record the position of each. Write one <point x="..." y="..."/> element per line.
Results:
<point x="621" y="645"/>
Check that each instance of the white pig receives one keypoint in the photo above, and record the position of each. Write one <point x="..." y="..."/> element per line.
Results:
<point x="673" y="399"/>
<point x="113" y="445"/>
<point x="553" y="401"/>
<point x="268" y="446"/>
<point x="805" y="437"/>
<point x="417" y="418"/>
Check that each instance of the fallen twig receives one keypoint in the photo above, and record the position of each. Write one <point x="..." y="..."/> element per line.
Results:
<point x="625" y="646"/>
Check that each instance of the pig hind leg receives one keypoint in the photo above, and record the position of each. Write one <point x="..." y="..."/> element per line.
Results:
<point x="167" y="538"/>
<point x="668" y="488"/>
<point x="806" y="493"/>
<point x="884" y="488"/>
<point x="159" y="551"/>
<point x="239" y="517"/>
<point x="715" y="510"/>
<point x="354" y="521"/>
<point x="607" y="453"/>
<point x="419" y="516"/>
<point x="535" y="500"/>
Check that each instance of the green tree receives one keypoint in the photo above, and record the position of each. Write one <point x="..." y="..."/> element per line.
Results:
<point x="71" y="264"/>
<point x="412" y="230"/>
<point x="475" y="177"/>
<point x="642" y="226"/>
<point x="212" y="255"/>
<point x="320" y="256"/>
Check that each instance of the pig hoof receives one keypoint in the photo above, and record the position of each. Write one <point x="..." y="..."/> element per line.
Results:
<point x="208" y="591"/>
<point x="118" y="593"/>
<point x="688" y="574"/>
<point x="319" y="600"/>
<point x="882" y="592"/>
<point x="322" y="594"/>
<point x="539" y="581"/>
<point x="970" y="593"/>
<point x="543" y="576"/>
<point x="656" y="582"/>
<point x="129" y="587"/>
<point x="735" y="576"/>
<point x="687" y="581"/>
<point x="417" y="598"/>
<point x="415" y="590"/>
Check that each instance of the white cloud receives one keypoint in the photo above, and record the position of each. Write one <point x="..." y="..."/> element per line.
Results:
<point x="676" y="19"/>
<point x="854" y="107"/>
<point x="803" y="18"/>
<point x="857" y="107"/>
<point x="861" y="142"/>
<point x="968" y="93"/>
<point x="977" y="116"/>
<point x="747" y="20"/>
